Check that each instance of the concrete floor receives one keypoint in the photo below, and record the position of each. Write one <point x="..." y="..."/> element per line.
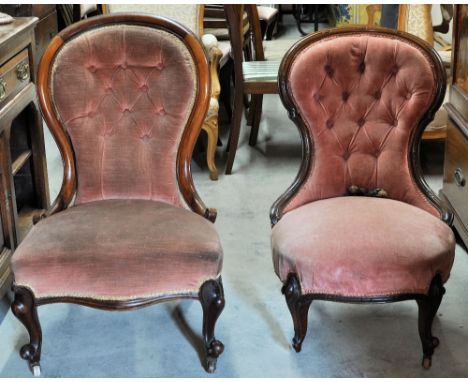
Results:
<point x="164" y="340"/>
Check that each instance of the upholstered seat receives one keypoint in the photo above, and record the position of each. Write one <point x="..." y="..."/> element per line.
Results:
<point x="334" y="246"/>
<point x="117" y="250"/>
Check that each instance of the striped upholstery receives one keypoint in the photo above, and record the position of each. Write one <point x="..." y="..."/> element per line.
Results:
<point x="260" y="70"/>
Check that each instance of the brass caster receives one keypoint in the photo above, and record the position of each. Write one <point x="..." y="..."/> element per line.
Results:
<point x="427" y="362"/>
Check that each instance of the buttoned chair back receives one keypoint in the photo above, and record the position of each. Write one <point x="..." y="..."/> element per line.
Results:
<point x="361" y="99"/>
<point x="130" y="93"/>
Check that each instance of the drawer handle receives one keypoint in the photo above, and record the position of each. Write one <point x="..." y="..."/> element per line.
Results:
<point x="2" y="88"/>
<point x="459" y="178"/>
<point x="22" y="71"/>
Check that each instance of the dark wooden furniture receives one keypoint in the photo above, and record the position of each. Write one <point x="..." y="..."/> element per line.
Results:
<point x="254" y="75"/>
<point x="23" y="172"/>
<point x="455" y="190"/>
<point x="314" y="146"/>
<point x="182" y="191"/>
<point x="46" y="27"/>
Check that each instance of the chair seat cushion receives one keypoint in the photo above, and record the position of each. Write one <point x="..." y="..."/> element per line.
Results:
<point x="261" y="70"/>
<point x="266" y="13"/>
<point x="362" y="247"/>
<point x="118" y="250"/>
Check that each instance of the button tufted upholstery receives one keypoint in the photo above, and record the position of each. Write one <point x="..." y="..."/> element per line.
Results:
<point x="361" y="97"/>
<point x="124" y="94"/>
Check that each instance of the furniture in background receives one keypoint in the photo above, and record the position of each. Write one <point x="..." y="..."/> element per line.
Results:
<point x="360" y="225"/>
<point x="45" y="29"/>
<point x="256" y="64"/>
<point x="24" y="186"/>
<point x="190" y="15"/>
<point x="417" y="20"/>
<point x="268" y="20"/>
<point x="72" y="13"/>
<point x="132" y="231"/>
<point x="455" y="190"/>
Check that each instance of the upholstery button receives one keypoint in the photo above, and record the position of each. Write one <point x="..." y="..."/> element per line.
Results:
<point x="362" y="67"/>
<point x="329" y="70"/>
<point x="317" y="97"/>
<point x="395" y="70"/>
<point x="92" y="68"/>
<point x="377" y="94"/>
<point x="160" y="65"/>
<point x="160" y="111"/>
<point x="346" y="155"/>
<point x="361" y="122"/>
<point x="408" y="96"/>
<point x="329" y="124"/>
<point x="144" y="88"/>
<point x="345" y="96"/>
<point x="126" y="110"/>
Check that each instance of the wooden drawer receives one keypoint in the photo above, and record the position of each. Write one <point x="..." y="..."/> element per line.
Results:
<point x="14" y="75"/>
<point x="456" y="170"/>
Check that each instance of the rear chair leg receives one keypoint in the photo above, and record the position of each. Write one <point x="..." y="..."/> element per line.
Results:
<point x="212" y="300"/>
<point x="427" y="310"/>
<point x="299" y="308"/>
<point x="24" y="308"/>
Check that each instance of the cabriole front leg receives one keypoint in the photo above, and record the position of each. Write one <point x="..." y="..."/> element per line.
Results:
<point x="24" y="308"/>
<point x="212" y="300"/>
<point x="428" y="307"/>
<point x="299" y="308"/>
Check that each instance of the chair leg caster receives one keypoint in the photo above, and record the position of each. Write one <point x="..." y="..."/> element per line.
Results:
<point x="427" y="310"/>
<point x="211" y="297"/>
<point x="36" y="370"/>
<point x="299" y="309"/>
<point x="427" y="362"/>
<point x="213" y="352"/>
<point x="297" y="344"/>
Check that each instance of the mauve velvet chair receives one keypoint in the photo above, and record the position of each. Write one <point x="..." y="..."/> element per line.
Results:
<point x="124" y="97"/>
<point x="361" y="99"/>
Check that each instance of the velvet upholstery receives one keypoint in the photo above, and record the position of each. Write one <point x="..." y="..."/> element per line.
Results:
<point x="362" y="247"/>
<point x="124" y="94"/>
<point x="361" y="97"/>
<point x="119" y="250"/>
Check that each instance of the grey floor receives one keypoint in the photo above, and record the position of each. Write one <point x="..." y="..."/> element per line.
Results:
<point x="164" y="340"/>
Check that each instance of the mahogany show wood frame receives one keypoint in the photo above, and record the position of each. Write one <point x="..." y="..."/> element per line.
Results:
<point x="298" y="303"/>
<point x="210" y="295"/>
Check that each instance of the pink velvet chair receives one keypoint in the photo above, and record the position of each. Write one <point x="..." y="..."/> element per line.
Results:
<point x="124" y="97"/>
<point x="359" y="224"/>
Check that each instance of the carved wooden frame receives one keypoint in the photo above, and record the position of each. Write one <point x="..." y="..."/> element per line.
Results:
<point x="299" y="303"/>
<point x="211" y="294"/>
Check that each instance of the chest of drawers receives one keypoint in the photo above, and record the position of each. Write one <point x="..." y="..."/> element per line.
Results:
<point x="23" y="171"/>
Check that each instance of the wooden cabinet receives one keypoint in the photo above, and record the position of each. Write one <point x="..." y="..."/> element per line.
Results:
<point x="455" y="188"/>
<point x="46" y="27"/>
<point x="23" y="171"/>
